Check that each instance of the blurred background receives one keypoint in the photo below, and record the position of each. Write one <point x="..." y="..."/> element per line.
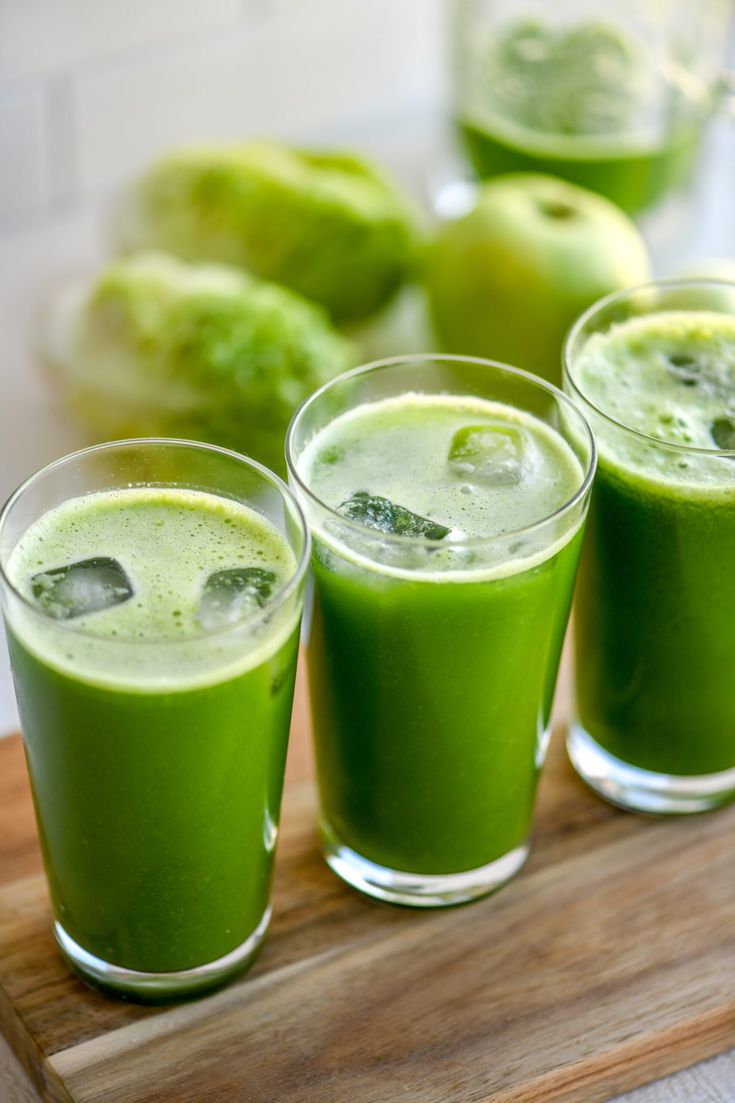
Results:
<point x="91" y="92"/>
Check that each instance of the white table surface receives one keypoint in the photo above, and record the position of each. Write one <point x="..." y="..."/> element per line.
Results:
<point x="33" y="430"/>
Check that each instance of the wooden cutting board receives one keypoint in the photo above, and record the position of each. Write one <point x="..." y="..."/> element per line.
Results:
<point x="608" y="962"/>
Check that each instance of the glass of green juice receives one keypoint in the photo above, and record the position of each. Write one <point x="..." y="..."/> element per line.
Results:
<point x="446" y="498"/>
<point x="654" y="371"/>
<point x="152" y="595"/>
<point x="614" y="98"/>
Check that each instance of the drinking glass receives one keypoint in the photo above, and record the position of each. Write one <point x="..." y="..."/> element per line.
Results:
<point x="432" y="665"/>
<point x="655" y="610"/>
<point x="613" y="97"/>
<point x="156" y="764"/>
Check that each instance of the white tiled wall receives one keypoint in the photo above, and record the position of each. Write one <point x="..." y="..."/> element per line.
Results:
<point x="24" y="176"/>
<point x="42" y="36"/>
<point x="91" y="89"/>
<point x="285" y="77"/>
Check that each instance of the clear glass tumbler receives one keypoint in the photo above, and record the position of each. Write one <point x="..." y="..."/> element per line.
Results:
<point x="655" y="609"/>
<point x="432" y="663"/>
<point x="613" y="97"/>
<point x="155" y="737"/>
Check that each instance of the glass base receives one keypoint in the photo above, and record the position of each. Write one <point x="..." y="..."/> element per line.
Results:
<point x="418" y="890"/>
<point x="160" y="987"/>
<point x="639" y="790"/>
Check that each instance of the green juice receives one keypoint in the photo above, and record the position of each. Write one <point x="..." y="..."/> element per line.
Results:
<point x="588" y="101"/>
<point x="634" y="176"/>
<point x="655" y="616"/>
<point x="155" y="743"/>
<point x="432" y="677"/>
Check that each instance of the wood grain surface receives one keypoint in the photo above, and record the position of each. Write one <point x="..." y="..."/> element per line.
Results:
<point x="608" y="962"/>
<point x="15" y="1086"/>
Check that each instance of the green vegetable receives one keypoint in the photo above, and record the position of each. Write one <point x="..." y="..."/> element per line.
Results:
<point x="328" y="225"/>
<point x="158" y="346"/>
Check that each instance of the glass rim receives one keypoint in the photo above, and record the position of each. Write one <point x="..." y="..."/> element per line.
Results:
<point x="285" y="593"/>
<point x="679" y="282"/>
<point x="422" y="541"/>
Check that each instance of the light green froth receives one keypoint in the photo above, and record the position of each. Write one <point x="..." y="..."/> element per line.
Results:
<point x="670" y="376"/>
<point x="398" y="448"/>
<point x="168" y="541"/>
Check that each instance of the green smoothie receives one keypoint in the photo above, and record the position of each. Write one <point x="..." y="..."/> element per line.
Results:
<point x="583" y="102"/>
<point x="155" y="707"/>
<point x="635" y="176"/>
<point x="433" y="656"/>
<point x="655" y="616"/>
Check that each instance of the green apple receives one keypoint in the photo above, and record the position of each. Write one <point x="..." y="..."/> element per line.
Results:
<point x="507" y="280"/>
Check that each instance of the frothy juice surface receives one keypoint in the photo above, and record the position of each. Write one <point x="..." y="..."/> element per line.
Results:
<point x="670" y="376"/>
<point x="656" y="609"/>
<point x="472" y="467"/>
<point x="432" y="673"/>
<point x="155" y="708"/>
<point x="164" y="550"/>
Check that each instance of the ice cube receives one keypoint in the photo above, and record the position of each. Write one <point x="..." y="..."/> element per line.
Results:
<point x="380" y="513"/>
<point x="722" y="432"/>
<point x="492" y="455"/>
<point x="230" y="594"/>
<point x="80" y="588"/>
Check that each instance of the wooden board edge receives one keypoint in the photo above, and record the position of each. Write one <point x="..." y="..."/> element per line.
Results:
<point x="640" y="1061"/>
<point x="42" y="1075"/>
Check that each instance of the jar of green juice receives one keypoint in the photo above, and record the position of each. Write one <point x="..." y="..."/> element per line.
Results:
<point x="611" y="98"/>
